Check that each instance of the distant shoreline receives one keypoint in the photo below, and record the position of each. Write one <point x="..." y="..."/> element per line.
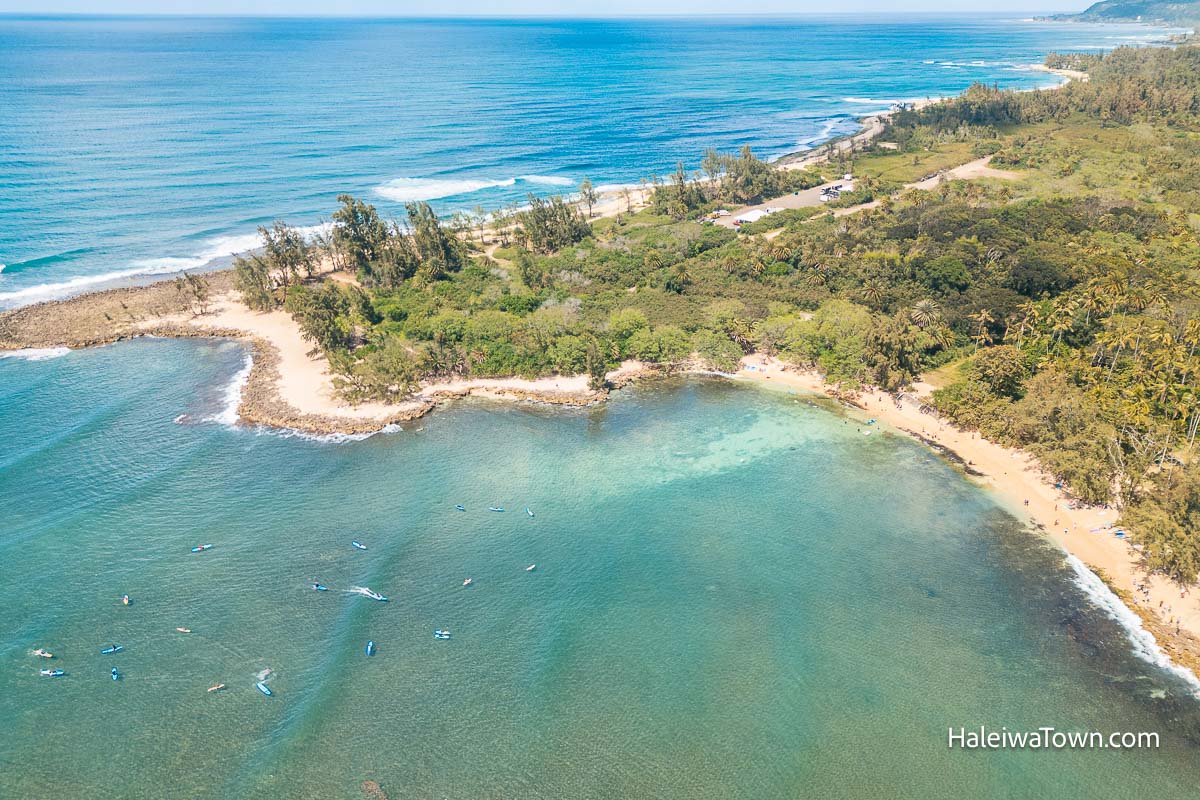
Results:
<point x="612" y="202"/>
<point x="285" y="387"/>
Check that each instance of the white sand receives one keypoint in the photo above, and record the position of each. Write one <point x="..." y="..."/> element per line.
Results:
<point x="1014" y="477"/>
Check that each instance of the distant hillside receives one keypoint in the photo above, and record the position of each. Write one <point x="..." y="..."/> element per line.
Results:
<point x="1143" y="10"/>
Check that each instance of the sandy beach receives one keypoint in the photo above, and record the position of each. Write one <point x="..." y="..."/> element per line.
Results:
<point x="291" y="386"/>
<point x="302" y="382"/>
<point x="1029" y="494"/>
<point x="295" y="389"/>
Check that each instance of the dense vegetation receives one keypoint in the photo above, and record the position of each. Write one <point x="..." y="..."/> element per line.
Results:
<point x="1140" y="10"/>
<point x="1057" y="312"/>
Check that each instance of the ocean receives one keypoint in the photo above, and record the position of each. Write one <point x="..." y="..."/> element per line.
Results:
<point x="133" y="147"/>
<point x="736" y="594"/>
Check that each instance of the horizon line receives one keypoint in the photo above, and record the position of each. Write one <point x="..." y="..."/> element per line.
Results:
<point x="1023" y="14"/>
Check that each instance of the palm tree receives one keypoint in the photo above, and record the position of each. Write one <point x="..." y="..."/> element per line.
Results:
<point x="758" y="264"/>
<point x="926" y="313"/>
<point x="1062" y="317"/>
<point x="1137" y="298"/>
<point x="778" y="251"/>
<point x="740" y="331"/>
<point x="982" y="336"/>
<point x="872" y="292"/>
<point x="817" y="275"/>
<point x="1094" y="302"/>
<point x="679" y="278"/>
<point x="1158" y="297"/>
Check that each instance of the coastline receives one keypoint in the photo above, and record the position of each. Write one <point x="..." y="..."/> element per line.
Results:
<point x="1014" y="477"/>
<point x="287" y="388"/>
<point x="611" y="202"/>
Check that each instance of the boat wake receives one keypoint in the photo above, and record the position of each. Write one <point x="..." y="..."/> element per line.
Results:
<point x="365" y="592"/>
<point x="36" y="353"/>
<point x="1143" y="643"/>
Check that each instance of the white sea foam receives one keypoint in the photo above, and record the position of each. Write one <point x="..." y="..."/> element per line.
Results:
<point x="36" y="353"/>
<point x="547" y="180"/>
<point x="232" y="396"/>
<point x="407" y="190"/>
<point x="209" y="250"/>
<point x="975" y="63"/>
<point x="1142" y="641"/>
<point x="607" y="188"/>
<point x="825" y="133"/>
<point x="326" y="438"/>
<point x="861" y="100"/>
<point x="887" y="102"/>
<point x="57" y="291"/>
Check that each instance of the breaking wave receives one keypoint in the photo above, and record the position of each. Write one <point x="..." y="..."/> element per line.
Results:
<point x="1143" y="643"/>
<point x="36" y="353"/>
<point x="826" y="132"/>
<point x="210" y="250"/>
<point x="867" y="100"/>
<point x="327" y="438"/>
<point x="232" y="396"/>
<point x="408" y="190"/>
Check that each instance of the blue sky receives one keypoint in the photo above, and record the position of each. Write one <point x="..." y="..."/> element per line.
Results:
<point x="396" y="8"/>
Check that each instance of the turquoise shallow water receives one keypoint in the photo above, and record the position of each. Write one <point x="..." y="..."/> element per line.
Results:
<point x="736" y="595"/>
<point x="142" y="146"/>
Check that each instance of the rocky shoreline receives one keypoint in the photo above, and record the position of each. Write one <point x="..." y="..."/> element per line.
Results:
<point x="115" y="315"/>
<point x="160" y="309"/>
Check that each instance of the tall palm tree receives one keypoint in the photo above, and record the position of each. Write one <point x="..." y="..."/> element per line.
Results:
<point x="1030" y="315"/>
<point x="1062" y="317"/>
<point x="982" y="335"/>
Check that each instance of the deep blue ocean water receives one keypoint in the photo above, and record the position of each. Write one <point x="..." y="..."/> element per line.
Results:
<point x="143" y="146"/>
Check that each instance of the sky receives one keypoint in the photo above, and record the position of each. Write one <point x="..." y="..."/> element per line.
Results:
<point x="557" y="8"/>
